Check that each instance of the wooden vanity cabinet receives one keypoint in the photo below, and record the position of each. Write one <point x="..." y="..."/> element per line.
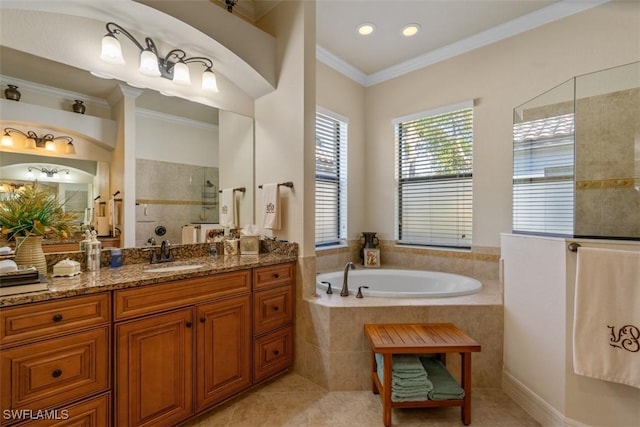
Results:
<point x="181" y="347"/>
<point x="273" y="315"/>
<point x="54" y="354"/>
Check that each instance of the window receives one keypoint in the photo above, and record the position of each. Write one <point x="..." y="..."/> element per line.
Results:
<point x="434" y="170"/>
<point x="543" y="175"/>
<point x="331" y="178"/>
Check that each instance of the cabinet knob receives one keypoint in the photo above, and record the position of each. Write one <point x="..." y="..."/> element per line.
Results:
<point x="276" y="275"/>
<point x="203" y="320"/>
<point x="56" y="373"/>
<point x="276" y="308"/>
<point x="57" y="318"/>
<point x="276" y="352"/>
<point x="188" y="324"/>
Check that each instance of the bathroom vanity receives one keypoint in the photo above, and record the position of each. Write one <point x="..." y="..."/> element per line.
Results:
<point x="139" y="348"/>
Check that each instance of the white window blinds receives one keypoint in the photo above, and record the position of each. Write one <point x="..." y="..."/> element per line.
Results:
<point x="543" y="159"/>
<point x="331" y="179"/>
<point x="434" y="169"/>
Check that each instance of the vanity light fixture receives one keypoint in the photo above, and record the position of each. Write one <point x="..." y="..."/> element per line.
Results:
<point x="410" y="30"/>
<point x="173" y="66"/>
<point x="49" y="173"/>
<point x="33" y="141"/>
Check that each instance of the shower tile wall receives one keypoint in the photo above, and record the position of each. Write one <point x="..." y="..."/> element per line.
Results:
<point x="608" y="165"/>
<point x="172" y="195"/>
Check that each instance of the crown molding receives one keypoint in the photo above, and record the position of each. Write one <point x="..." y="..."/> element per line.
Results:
<point x="511" y="28"/>
<point x="156" y="115"/>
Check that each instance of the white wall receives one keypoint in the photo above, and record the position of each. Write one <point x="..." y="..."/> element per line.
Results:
<point x="539" y="288"/>
<point x="498" y="77"/>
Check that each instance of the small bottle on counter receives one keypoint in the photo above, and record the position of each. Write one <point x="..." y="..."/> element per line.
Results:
<point x="93" y="249"/>
<point x="116" y="258"/>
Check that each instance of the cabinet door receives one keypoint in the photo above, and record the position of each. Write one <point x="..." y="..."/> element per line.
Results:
<point x="154" y="362"/>
<point x="223" y="350"/>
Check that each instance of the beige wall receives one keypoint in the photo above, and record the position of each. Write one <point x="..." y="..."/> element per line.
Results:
<point x="498" y="77"/>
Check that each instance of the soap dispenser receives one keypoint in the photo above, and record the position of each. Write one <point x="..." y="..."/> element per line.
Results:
<point x="93" y="250"/>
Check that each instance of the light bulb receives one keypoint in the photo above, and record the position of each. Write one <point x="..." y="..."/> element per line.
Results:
<point x="111" y="50"/>
<point x="50" y="145"/>
<point x="181" y="74"/>
<point x="209" y="81"/>
<point x="149" y="64"/>
<point x="7" y="141"/>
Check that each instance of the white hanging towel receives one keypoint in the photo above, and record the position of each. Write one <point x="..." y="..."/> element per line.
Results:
<point x="606" y="324"/>
<point x="271" y="206"/>
<point x="189" y="234"/>
<point x="228" y="209"/>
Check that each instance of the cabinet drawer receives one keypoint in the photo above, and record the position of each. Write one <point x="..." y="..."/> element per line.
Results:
<point x="155" y="298"/>
<point x="272" y="308"/>
<point x="52" y="372"/>
<point x="41" y="320"/>
<point x="265" y="277"/>
<point x="272" y="353"/>
<point x="94" y="412"/>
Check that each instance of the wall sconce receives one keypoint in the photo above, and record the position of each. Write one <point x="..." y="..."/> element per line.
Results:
<point x="33" y="141"/>
<point x="173" y="66"/>
<point x="49" y="173"/>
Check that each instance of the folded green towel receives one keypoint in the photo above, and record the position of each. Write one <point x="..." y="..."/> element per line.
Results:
<point x="445" y="387"/>
<point x="403" y="365"/>
<point x="410" y="384"/>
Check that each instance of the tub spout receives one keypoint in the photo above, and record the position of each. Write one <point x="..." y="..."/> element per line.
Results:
<point x="345" y="280"/>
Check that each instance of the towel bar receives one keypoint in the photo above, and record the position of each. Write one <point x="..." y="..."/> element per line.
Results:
<point x="282" y="184"/>
<point x="240" y="189"/>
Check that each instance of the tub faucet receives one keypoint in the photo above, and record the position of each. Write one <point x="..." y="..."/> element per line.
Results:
<point x="345" y="280"/>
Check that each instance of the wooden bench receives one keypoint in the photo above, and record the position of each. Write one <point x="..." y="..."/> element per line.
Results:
<point x="422" y="338"/>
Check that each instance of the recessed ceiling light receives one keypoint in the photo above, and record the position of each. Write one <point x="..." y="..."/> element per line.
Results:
<point x="410" y="30"/>
<point x="366" y="28"/>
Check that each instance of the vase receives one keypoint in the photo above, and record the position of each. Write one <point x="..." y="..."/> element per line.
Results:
<point x="29" y="252"/>
<point x="78" y="107"/>
<point x="12" y="93"/>
<point x="368" y="240"/>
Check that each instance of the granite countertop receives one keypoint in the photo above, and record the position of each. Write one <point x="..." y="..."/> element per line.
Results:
<point x="134" y="275"/>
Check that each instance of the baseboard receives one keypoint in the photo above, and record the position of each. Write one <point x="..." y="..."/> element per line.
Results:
<point x="534" y="405"/>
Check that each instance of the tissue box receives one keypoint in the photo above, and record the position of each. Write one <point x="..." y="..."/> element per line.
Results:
<point x="249" y="245"/>
<point x="66" y="267"/>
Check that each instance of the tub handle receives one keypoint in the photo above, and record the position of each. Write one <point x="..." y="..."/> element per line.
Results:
<point x="329" y="290"/>
<point x="359" y="294"/>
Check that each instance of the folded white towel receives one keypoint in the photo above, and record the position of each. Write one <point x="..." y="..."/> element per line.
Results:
<point x="271" y="206"/>
<point x="4" y="250"/>
<point x="228" y="209"/>
<point x="8" y="266"/>
<point x="606" y="326"/>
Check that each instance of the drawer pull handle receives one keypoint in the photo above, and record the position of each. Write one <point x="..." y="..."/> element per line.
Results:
<point x="276" y="352"/>
<point x="57" y="318"/>
<point x="203" y="320"/>
<point x="276" y="308"/>
<point x="188" y="324"/>
<point x="276" y="275"/>
<point x="56" y="373"/>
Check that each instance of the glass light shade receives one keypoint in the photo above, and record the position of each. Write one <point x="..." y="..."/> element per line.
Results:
<point x="111" y="50"/>
<point x="181" y="74"/>
<point x="30" y="173"/>
<point x="209" y="81"/>
<point x="7" y="141"/>
<point x="50" y="145"/>
<point x="67" y="175"/>
<point x="149" y="64"/>
<point x="71" y="149"/>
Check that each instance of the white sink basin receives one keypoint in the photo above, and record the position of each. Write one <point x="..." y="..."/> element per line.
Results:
<point x="171" y="268"/>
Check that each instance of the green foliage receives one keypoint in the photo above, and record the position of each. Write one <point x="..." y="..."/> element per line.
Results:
<point x="35" y="211"/>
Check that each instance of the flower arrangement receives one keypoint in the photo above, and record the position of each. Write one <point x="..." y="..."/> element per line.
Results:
<point x="35" y="211"/>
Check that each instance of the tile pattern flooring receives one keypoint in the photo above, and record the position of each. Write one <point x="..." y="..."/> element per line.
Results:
<point x="291" y="400"/>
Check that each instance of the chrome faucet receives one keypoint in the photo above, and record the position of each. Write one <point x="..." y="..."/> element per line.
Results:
<point x="345" y="280"/>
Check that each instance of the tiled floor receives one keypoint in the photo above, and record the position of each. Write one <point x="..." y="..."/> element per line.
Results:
<point x="292" y="400"/>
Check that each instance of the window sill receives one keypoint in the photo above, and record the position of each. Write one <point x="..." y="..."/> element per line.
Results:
<point x="332" y="247"/>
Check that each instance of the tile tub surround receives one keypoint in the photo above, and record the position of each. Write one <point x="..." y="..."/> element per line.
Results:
<point x="333" y="349"/>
